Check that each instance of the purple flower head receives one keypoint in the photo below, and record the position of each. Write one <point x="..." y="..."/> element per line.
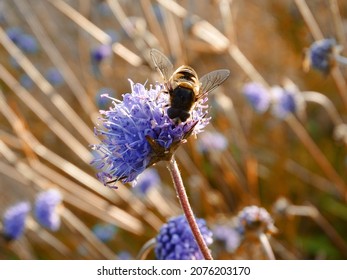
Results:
<point x="284" y="102"/>
<point x="54" y="77"/>
<point x="137" y="132"/>
<point x="115" y="36"/>
<point x="320" y="54"/>
<point x="14" y="63"/>
<point x="26" y="81"/>
<point x="175" y="240"/>
<point x="104" y="232"/>
<point x="228" y="235"/>
<point x="254" y="218"/>
<point x="158" y="12"/>
<point x="100" y="53"/>
<point x="46" y="213"/>
<point x="28" y="44"/>
<point x="14" y="33"/>
<point x="212" y="142"/>
<point x="124" y="255"/>
<point x="258" y="96"/>
<point x="2" y="17"/>
<point x="104" y="9"/>
<point x="14" y="220"/>
<point x="147" y="180"/>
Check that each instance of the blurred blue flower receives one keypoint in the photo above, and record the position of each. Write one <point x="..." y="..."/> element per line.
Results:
<point x="28" y="44"/>
<point x="158" y="12"/>
<point x="14" y="33"/>
<point x="175" y="240"/>
<point x="137" y="132"/>
<point x="104" y="9"/>
<point x="104" y="232"/>
<point x="14" y="63"/>
<point x="115" y="36"/>
<point x="46" y="213"/>
<point x="100" y="99"/>
<point x="2" y="16"/>
<point x="320" y="54"/>
<point x="26" y="81"/>
<point x="146" y="180"/>
<point x="258" y="96"/>
<point x="255" y="218"/>
<point x="228" y="235"/>
<point x="283" y="102"/>
<point x="100" y="53"/>
<point x="54" y="76"/>
<point x="124" y="255"/>
<point x="212" y="142"/>
<point x="14" y="220"/>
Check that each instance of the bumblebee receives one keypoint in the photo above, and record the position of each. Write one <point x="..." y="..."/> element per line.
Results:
<point x="184" y="86"/>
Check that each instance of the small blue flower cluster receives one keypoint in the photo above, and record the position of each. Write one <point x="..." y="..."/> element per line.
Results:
<point x="14" y="220"/>
<point x="254" y="218"/>
<point x="212" y="142"/>
<point x="320" y="55"/>
<point x="46" y="209"/>
<point x="14" y="217"/>
<point x="258" y="96"/>
<point x="26" y="81"/>
<point x="26" y="42"/>
<point x="104" y="232"/>
<point x="229" y="235"/>
<point x="137" y="132"/>
<point x="100" y="53"/>
<point x="284" y="100"/>
<point x="175" y="240"/>
<point x="54" y="76"/>
<point x="145" y="181"/>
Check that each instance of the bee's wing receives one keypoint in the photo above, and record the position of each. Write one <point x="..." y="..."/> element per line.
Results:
<point x="212" y="80"/>
<point x="162" y="63"/>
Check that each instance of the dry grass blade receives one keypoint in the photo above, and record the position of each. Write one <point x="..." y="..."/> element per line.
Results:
<point x="58" y="101"/>
<point x="55" y="56"/>
<point x="84" y="200"/>
<point x="97" y="33"/>
<point x="47" y="238"/>
<point x="92" y="240"/>
<point x="319" y="157"/>
<point x="318" y="35"/>
<point x="46" y="117"/>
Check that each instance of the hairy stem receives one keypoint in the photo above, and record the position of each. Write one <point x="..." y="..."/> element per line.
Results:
<point x="188" y="212"/>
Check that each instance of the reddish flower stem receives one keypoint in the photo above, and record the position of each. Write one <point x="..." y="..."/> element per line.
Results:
<point x="188" y="212"/>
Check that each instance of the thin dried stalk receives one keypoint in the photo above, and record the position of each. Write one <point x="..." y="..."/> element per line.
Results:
<point x="146" y="248"/>
<point x="57" y="100"/>
<point x="318" y="156"/>
<point x="318" y="35"/>
<point x="56" y="57"/>
<point x="48" y="238"/>
<point x="37" y="108"/>
<point x="97" y="33"/>
<point x="73" y="193"/>
<point x="88" y="235"/>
